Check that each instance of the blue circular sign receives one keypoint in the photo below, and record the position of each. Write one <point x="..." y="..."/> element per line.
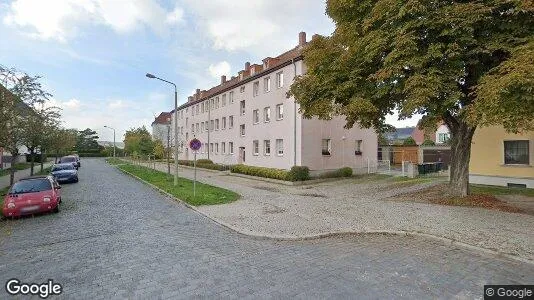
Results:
<point x="195" y="144"/>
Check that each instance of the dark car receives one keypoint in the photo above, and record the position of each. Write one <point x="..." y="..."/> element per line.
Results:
<point x="69" y="159"/>
<point x="65" y="172"/>
<point x="31" y="196"/>
<point x="77" y="159"/>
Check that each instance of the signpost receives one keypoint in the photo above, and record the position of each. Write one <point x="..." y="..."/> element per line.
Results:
<point x="195" y="145"/>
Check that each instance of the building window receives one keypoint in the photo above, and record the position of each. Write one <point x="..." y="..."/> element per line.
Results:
<point x="242" y="129"/>
<point x="280" y="112"/>
<point x="223" y="148"/>
<point x="231" y="147"/>
<point x="198" y="109"/>
<point x="202" y="107"/>
<point x="224" y="100"/>
<point x="326" y="147"/>
<point x="242" y="107"/>
<point x="192" y="110"/>
<point x="223" y="123"/>
<point x="216" y="148"/>
<point x="192" y="128"/>
<point x="443" y="137"/>
<point x="516" y="153"/>
<point x="186" y="122"/>
<point x="197" y="127"/>
<point x="212" y="103"/>
<point x="211" y="125"/>
<point x="217" y="102"/>
<point x="267" y="84"/>
<point x="280" y="147"/>
<point x="358" y="150"/>
<point x="267" y="114"/>
<point x="255" y="88"/>
<point x="231" y="122"/>
<point x="216" y="124"/>
<point x="266" y="147"/>
<point x="280" y="79"/>
<point x="211" y="147"/>
<point x="231" y="96"/>
<point x="242" y="89"/>
<point x="256" y="116"/>
<point x="256" y="147"/>
<point x="206" y="126"/>
<point x="202" y="126"/>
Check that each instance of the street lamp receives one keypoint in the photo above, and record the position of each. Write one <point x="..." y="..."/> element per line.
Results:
<point x="114" y="146"/>
<point x="175" y="125"/>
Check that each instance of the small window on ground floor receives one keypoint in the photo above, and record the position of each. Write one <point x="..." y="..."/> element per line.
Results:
<point x="516" y="152"/>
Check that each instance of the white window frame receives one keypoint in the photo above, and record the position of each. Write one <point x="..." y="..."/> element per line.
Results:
<point x="230" y="122"/>
<point x="223" y="125"/>
<point x="223" y="100"/>
<point x="231" y="96"/>
<point x="280" y="79"/>
<point x="242" y="130"/>
<point x="328" y="147"/>
<point x="216" y="148"/>
<point x="267" y="84"/>
<point x="216" y="124"/>
<point x="267" y="112"/>
<point x="255" y="88"/>
<point x="266" y="145"/>
<point x="279" y="112"/>
<point x="242" y="107"/>
<point x="231" y="147"/>
<point x="256" y="116"/>
<point x="256" y="147"/>
<point x="280" y="147"/>
<point x="223" y="148"/>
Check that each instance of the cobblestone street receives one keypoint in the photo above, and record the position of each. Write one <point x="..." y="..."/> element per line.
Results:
<point x="118" y="238"/>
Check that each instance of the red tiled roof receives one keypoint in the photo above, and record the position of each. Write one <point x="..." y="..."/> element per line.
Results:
<point x="274" y="64"/>
<point x="163" y="118"/>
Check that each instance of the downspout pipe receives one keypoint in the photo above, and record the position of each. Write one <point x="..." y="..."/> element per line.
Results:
<point x="294" y="118"/>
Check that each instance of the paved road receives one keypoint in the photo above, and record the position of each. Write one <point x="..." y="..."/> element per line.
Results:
<point x="117" y="238"/>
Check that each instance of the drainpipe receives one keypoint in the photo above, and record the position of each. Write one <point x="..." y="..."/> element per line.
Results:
<point x="209" y="128"/>
<point x="294" y="118"/>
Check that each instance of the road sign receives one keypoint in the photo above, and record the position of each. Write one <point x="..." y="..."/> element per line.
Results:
<point x="195" y="144"/>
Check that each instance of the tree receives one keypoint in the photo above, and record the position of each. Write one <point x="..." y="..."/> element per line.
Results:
<point x="19" y="94"/>
<point x="87" y="141"/>
<point x="62" y="141"/>
<point x="139" y="141"/>
<point x="428" y="143"/>
<point x="159" y="149"/>
<point x="409" y="142"/>
<point x="468" y="63"/>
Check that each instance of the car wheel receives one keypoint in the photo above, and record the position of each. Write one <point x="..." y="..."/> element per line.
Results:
<point x="76" y="180"/>
<point x="56" y="210"/>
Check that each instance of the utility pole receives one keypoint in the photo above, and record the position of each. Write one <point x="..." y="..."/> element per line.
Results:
<point x="168" y="152"/>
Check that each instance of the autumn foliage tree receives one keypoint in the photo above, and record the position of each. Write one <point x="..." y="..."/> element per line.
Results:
<point x="468" y="63"/>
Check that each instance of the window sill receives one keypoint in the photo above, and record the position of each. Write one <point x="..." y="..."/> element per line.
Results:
<point x="256" y="154"/>
<point x="256" y="123"/>
<point x="267" y="121"/>
<point x="327" y="155"/>
<point x="280" y="154"/>
<point x="279" y="119"/>
<point x="267" y="154"/>
<point x="516" y="166"/>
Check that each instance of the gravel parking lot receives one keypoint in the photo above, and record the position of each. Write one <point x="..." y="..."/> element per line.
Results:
<point x="118" y="238"/>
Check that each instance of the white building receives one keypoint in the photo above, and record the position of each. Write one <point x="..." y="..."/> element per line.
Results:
<point x="249" y="120"/>
<point x="161" y="127"/>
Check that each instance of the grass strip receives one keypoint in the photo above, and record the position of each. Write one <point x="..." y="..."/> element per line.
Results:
<point x="205" y="194"/>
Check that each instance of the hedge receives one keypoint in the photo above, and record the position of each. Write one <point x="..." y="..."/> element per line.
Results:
<point x="343" y="172"/>
<point x="203" y="163"/>
<point x="261" y="172"/>
<point x="299" y="173"/>
<point x="93" y="154"/>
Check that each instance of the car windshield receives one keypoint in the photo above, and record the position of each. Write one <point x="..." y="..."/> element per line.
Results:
<point x="68" y="159"/>
<point x="31" y="186"/>
<point x="62" y="167"/>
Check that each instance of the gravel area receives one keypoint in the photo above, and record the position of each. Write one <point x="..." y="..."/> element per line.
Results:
<point x="280" y="211"/>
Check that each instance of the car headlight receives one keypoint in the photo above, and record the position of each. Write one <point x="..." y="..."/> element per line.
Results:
<point x="11" y="205"/>
<point x="46" y="199"/>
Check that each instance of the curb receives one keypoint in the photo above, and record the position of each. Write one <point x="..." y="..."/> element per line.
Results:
<point x="444" y="240"/>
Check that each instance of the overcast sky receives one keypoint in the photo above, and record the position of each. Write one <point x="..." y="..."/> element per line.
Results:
<point x="93" y="54"/>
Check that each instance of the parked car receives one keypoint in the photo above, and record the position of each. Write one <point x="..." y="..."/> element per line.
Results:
<point x="32" y="195"/>
<point x="64" y="172"/>
<point x="69" y="159"/>
<point x="77" y="159"/>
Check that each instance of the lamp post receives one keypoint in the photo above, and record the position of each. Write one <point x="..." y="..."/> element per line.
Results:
<point x="114" y="146"/>
<point x="175" y="125"/>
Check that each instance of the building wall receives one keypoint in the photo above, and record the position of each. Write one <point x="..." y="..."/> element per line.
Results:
<point x="159" y="132"/>
<point x="441" y="129"/>
<point x="487" y="158"/>
<point x="343" y="145"/>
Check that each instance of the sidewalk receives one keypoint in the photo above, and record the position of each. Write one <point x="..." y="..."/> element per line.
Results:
<point x="4" y="180"/>
<point x="349" y="206"/>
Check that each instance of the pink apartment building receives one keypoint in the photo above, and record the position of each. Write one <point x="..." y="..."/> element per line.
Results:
<point x="248" y="119"/>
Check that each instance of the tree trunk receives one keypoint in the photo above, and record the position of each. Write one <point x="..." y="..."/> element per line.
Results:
<point x="462" y="135"/>
<point x="32" y="160"/>
<point x="43" y="156"/>
<point x="12" y="169"/>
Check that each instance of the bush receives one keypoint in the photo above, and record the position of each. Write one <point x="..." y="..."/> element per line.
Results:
<point x="93" y="154"/>
<point x="409" y="142"/>
<point x="299" y="173"/>
<point x="204" y="161"/>
<point x="261" y="172"/>
<point x="428" y="143"/>
<point x="343" y="172"/>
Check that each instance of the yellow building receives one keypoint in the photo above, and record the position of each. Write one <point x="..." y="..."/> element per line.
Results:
<point x="501" y="158"/>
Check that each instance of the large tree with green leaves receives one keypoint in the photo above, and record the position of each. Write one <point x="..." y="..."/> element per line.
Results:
<point x="138" y="141"/>
<point x="468" y="63"/>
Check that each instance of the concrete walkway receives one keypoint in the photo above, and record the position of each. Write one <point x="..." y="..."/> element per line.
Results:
<point x="4" y="180"/>
<point x="349" y="205"/>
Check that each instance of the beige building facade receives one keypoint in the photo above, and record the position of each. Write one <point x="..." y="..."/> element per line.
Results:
<point x="501" y="158"/>
<point x="249" y="120"/>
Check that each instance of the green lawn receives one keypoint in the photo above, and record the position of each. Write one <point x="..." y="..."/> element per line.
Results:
<point x="114" y="161"/>
<point x="18" y="167"/>
<point x="205" y="194"/>
<point x="499" y="190"/>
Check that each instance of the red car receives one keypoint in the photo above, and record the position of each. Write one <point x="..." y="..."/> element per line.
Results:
<point x="31" y="196"/>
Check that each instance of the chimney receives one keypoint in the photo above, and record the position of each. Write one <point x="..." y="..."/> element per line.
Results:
<point x="247" y="66"/>
<point x="190" y="98"/>
<point x="302" y="38"/>
<point x="266" y="62"/>
<point x="197" y="94"/>
<point x="223" y="79"/>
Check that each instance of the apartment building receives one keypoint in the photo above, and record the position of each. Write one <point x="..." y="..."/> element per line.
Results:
<point x="248" y="119"/>
<point x="161" y="127"/>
